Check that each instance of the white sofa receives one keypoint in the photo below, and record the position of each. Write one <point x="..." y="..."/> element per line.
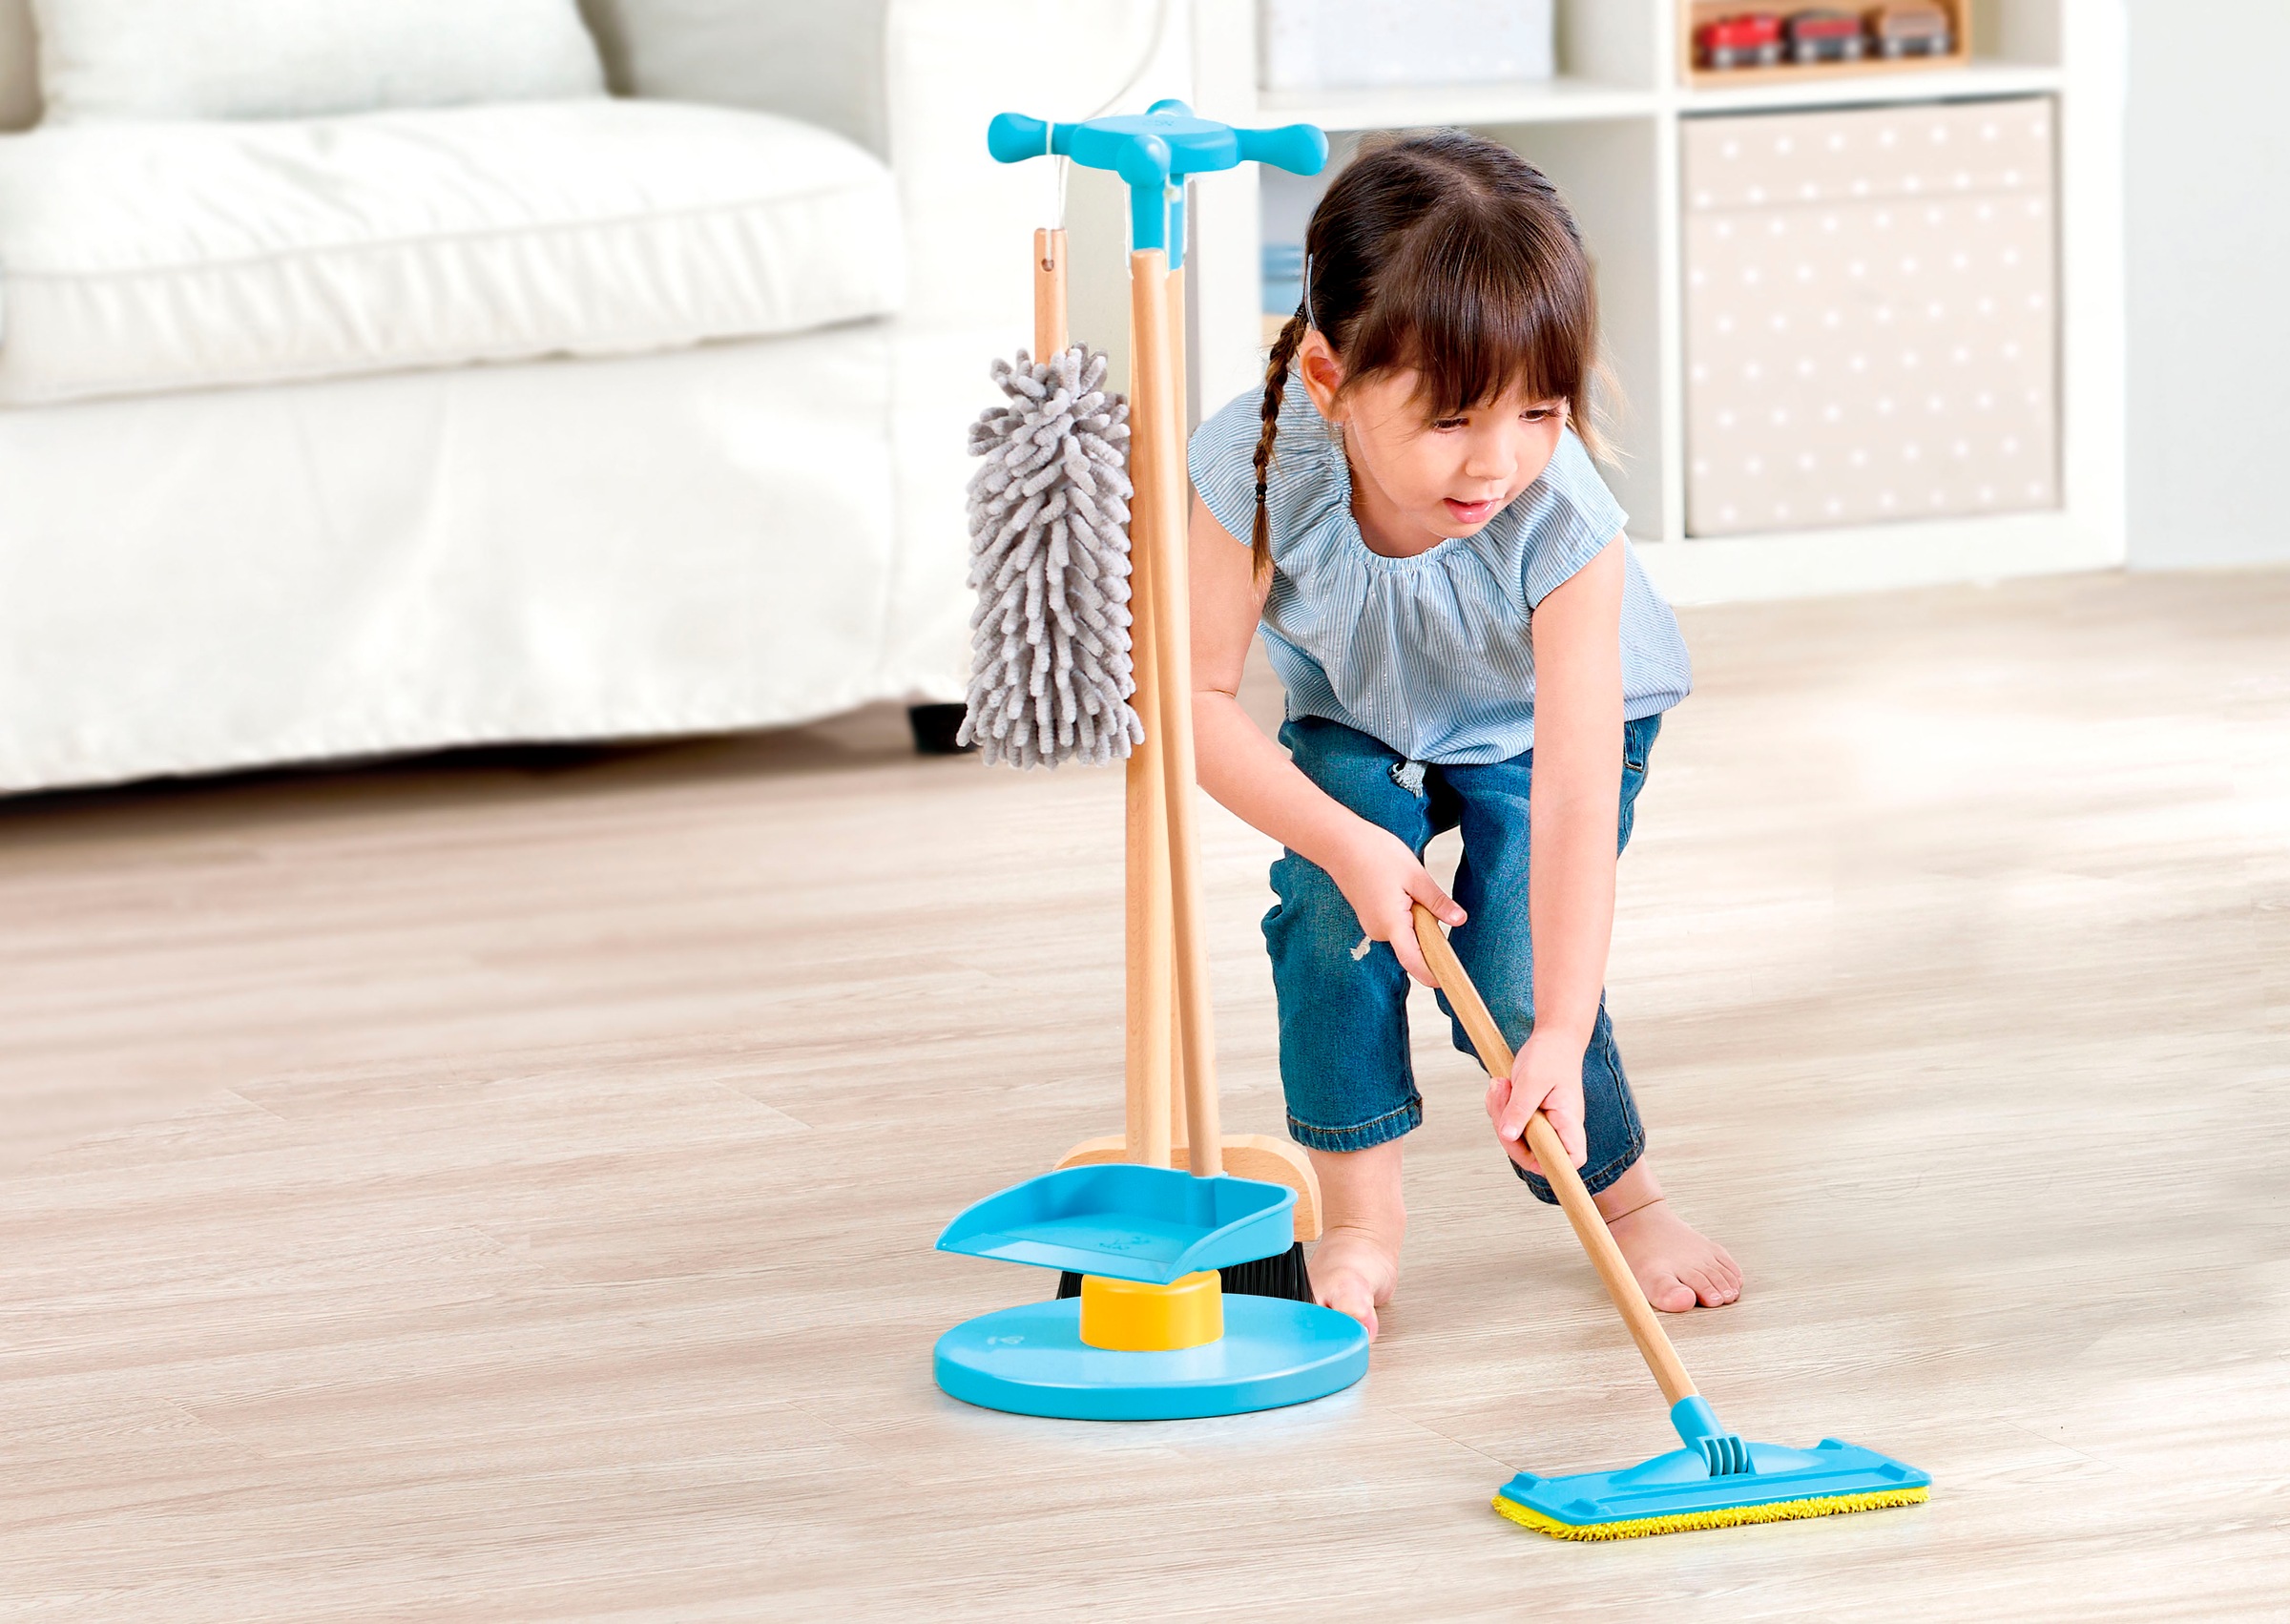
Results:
<point x="282" y="477"/>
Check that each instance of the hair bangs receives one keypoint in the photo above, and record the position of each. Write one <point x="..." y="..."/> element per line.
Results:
<point x="1479" y="310"/>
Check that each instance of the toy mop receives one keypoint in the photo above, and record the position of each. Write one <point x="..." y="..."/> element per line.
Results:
<point x="1719" y="1478"/>
<point x="1068" y="635"/>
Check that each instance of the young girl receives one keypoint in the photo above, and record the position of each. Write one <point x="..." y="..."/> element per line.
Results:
<point x="1466" y="640"/>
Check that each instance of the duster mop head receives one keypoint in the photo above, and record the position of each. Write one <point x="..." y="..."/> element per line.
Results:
<point x="1718" y="1480"/>
<point x="1049" y="661"/>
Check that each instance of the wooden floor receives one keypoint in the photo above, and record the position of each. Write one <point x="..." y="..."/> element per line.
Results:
<point x="503" y="1188"/>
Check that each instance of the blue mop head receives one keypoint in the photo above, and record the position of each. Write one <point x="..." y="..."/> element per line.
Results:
<point x="1720" y="1479"/>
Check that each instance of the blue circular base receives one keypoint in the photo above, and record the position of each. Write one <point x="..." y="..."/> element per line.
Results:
<point x="1030" y="1360"/>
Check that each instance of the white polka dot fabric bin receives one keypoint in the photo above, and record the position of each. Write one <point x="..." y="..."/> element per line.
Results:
<point x="1871" y="327"/>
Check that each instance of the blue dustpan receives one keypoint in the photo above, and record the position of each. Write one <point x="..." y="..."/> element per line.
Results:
<point x="1127" y="1221"/>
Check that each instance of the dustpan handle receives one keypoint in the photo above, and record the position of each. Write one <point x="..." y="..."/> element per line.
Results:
<point x="1582" y="1211"/>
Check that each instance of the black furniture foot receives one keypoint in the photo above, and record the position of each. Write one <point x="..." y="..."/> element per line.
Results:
<point x="935" y="727"/>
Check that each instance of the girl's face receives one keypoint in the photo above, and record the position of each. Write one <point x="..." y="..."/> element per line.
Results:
<point x="1418" y="481"/>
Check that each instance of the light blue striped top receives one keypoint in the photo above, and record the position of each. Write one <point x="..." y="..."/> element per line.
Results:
<point x="1431" y="654"/>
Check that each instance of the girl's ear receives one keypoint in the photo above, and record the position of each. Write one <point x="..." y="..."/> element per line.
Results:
<point x="1322" y="373"/>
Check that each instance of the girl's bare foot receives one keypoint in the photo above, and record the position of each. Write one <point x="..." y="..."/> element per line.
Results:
<point x="1677" y="1266"/>
<point x="1356" y="1266"/>
<point x="1354" y="1273"/>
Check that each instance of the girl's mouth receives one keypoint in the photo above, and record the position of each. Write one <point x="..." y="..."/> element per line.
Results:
<point x="1470" y="513"/>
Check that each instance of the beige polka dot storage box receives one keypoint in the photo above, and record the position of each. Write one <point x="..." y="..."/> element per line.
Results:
<point x="1870" y="325"/>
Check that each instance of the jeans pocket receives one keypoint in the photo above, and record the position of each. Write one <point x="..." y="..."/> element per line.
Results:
<point x="1637" y="743"/>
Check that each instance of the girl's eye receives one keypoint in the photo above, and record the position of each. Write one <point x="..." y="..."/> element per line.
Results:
<point x="1537" y="414"/>
<point x="1449" y="422"/>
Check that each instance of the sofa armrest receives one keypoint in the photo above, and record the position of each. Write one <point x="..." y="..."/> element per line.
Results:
<point x="948" y="67"/>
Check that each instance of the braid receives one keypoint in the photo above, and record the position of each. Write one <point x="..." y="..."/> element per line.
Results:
<point x="1276" y="385"/>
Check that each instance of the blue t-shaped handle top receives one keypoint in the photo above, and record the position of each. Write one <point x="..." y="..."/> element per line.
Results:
<point x="1154" y="153"/>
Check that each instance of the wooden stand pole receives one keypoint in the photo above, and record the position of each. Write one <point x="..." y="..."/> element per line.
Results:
<point x="1048" y="292"/>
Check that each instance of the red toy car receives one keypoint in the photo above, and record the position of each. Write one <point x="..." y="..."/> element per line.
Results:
<point x="1823" y="35"/>
<point x="1750" y="40"/>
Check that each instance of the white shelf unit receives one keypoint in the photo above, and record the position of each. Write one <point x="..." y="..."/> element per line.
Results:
<point x="1607" y="132"/>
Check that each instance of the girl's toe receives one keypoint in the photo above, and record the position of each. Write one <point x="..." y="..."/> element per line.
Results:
<point x="1347" y="1293"/>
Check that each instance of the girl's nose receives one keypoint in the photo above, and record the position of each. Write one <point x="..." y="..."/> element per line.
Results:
<point x="1489" y="457"/>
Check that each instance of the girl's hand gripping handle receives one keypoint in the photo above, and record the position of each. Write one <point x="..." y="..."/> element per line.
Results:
<point x="1384" y="881"/>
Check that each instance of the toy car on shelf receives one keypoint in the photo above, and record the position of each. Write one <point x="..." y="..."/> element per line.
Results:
<point x="1823" y="35"/>
<point x="1751" y="40"/>
<point x="1911" y="29"/>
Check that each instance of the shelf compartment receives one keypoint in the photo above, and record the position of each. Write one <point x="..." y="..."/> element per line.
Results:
<point x="1694" y="14"/>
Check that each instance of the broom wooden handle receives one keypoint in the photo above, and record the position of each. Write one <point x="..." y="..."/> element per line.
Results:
<point x="1180" y="1128"/>
<point x="1582" y="1211"/>
<point x="1158" y="532"/>
<point x="1148" y="949"/>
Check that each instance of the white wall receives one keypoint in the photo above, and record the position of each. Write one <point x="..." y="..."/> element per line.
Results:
<point x="2208" y="175"/>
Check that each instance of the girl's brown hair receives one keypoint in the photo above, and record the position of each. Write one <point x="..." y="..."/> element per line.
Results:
<point x="1450" y="256"/>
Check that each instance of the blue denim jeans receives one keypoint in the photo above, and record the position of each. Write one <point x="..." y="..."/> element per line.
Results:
<point x="1344" y="1019"/>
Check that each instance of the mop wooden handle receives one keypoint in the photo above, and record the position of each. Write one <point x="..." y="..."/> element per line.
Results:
<point x="1582" y="1211"/>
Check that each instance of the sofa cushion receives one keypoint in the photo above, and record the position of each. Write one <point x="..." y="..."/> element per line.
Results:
<point x="139" y="258"/>
<point x="303" y="59"/>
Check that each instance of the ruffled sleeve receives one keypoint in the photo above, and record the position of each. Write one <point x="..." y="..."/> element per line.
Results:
<point x="1221" y="459"/>
<point x="1569" y="518"/>
<point x="1307" y="488"/>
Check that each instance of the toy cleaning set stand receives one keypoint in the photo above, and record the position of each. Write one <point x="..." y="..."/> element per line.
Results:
<point x="1719" y="1478"/>
<point x="1152" y="1333"/>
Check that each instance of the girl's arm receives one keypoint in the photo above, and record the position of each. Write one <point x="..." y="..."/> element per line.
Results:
<point x="1254" y="777"/>
<point x="1573" y="807"/>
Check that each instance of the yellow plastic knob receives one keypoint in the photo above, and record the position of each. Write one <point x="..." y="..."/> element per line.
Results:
<point x="1130" y="1317"/>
